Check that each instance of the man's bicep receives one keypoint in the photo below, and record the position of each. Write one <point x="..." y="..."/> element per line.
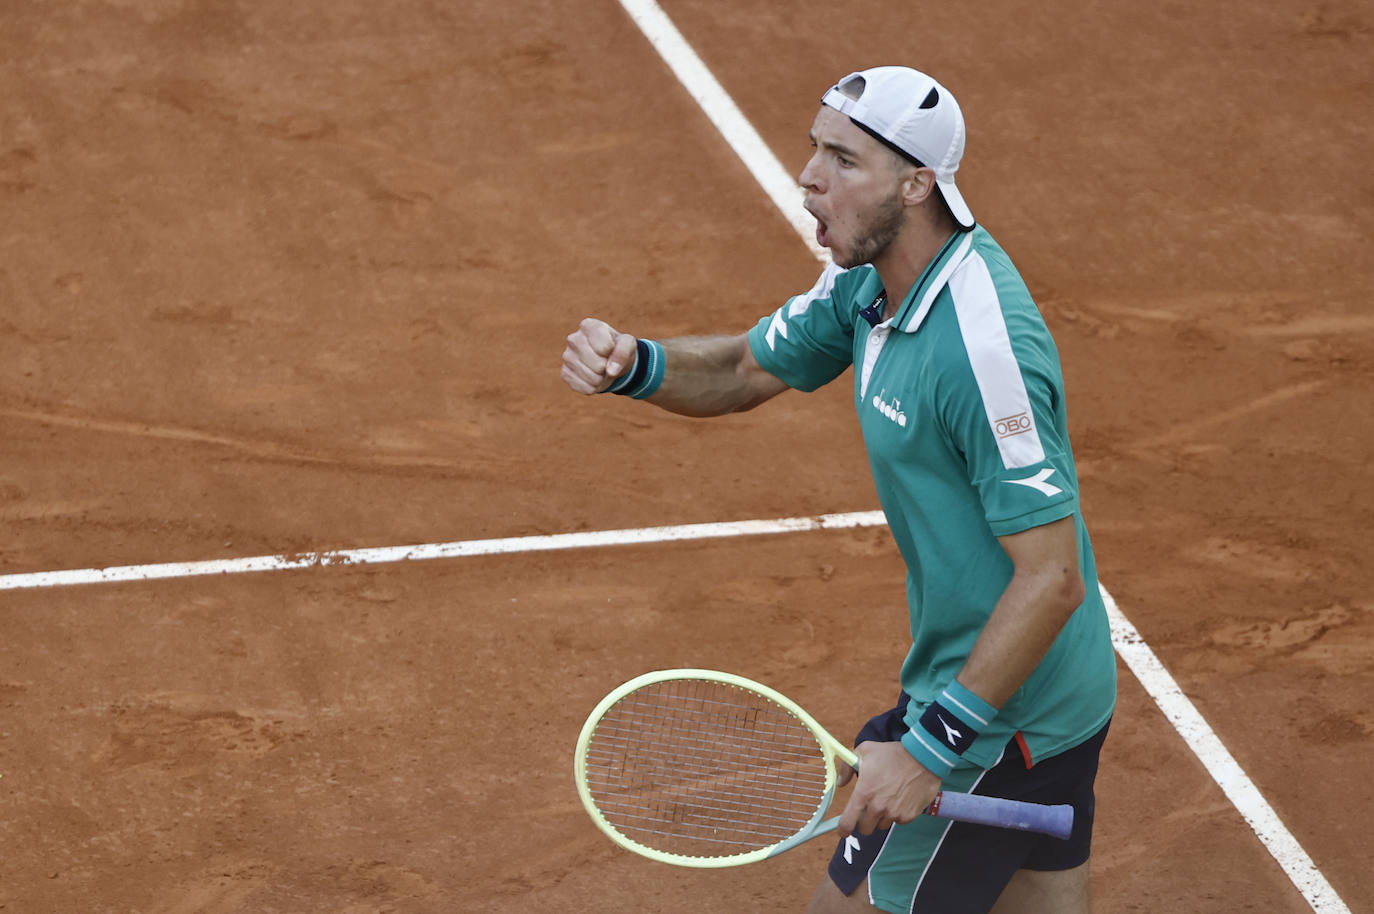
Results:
<point x="1047" y="546"/>
<point x="763" y="385"/>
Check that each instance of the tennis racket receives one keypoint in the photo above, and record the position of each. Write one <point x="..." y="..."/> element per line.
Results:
<point x="706" y="769"/>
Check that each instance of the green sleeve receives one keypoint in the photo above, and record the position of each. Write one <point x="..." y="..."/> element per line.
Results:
<point x="809" y="341"/>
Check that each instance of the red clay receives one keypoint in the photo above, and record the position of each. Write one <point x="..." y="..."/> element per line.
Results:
<point x="296" y="277"/>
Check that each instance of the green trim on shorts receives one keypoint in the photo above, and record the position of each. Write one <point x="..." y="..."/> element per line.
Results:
<point x="896" y="874"/>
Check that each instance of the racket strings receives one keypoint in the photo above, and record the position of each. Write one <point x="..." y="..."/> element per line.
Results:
<point x="703" y="768"/>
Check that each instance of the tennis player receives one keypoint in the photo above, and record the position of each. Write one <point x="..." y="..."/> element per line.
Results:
<point x="1010" y="681"/>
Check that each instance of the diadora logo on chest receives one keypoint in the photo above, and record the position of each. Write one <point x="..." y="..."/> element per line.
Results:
<point x="892" y="411"/>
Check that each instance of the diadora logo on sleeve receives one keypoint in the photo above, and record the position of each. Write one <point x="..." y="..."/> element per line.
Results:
<point x="798" y="304"/>
<point x="1039" y="482"/>
<point x="892" y="410"/>
<point x="774" y="329"/>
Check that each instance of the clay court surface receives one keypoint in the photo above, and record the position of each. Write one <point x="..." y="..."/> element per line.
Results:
<point x="284" y="278"/>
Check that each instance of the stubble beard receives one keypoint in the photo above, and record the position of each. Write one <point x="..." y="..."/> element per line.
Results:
<point x="883" y="230"/>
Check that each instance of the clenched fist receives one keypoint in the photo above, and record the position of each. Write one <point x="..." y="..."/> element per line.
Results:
<point x="596" y="355"/>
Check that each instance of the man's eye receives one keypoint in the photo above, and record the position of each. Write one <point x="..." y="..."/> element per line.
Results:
<point x="844" y="162"/>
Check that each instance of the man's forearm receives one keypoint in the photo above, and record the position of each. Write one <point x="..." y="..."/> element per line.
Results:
<point x="712" y="376"/>
<point x="1029" y="616"/>
<point x="1045" y="588"/>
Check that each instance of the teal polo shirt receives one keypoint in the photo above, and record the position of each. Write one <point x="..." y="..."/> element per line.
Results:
<point x="960" y="399"/>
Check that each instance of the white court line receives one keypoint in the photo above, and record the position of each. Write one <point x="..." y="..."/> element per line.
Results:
<point x="382" y="555"/>
<point x="781" y="189"/>
<point x="1129" y="645"/>
<point x="1237" y="786"/>
<point x="1220" y="764"/>
<point x="780" y="186"/>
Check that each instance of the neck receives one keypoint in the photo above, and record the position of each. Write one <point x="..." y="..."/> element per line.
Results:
<point x="904" y="260"/>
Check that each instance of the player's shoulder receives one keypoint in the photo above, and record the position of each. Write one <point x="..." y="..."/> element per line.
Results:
<point x="987" y="256"/>
<point x="991" y="317"/>
<point x="838" y="294"/>
<point x="846" y="287"/>
<point x="988" y="286"/>
<point x="855" y="279"/>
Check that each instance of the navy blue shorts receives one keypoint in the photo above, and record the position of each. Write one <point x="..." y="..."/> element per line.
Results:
<point x="958" y="868"/>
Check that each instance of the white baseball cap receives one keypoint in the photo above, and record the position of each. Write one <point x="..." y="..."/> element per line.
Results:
<point x="912" y="115"/>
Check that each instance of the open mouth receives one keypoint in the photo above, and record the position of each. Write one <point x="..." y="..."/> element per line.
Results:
<point x="822" y="228"/>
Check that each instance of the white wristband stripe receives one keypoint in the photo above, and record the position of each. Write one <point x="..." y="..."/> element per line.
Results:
<point x="972" y="714"/>
<point x="937" y="749"/>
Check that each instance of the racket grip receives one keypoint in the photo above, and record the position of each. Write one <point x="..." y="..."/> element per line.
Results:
<point x="1056" y="821"/>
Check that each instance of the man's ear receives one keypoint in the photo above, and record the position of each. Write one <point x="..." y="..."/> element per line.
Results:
<point x="918" y="186"/>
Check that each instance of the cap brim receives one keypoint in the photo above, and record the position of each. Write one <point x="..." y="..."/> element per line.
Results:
<point x="962" y="214"/>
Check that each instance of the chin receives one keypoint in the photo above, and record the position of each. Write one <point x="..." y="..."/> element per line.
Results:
<point x="845" y="259"/>
<point x="847" y="262"/>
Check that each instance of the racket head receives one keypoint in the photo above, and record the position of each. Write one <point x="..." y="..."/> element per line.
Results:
<point x="705" y="769"/>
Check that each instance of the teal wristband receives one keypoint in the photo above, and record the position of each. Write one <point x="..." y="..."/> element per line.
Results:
<point x="948" y="728"/>
<point x="967" y="705"/>
<point x="645" y="375"/>
<point x="932" y="755"/>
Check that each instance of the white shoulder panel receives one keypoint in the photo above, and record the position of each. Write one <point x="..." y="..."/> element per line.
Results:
<point x="994" y="364"/>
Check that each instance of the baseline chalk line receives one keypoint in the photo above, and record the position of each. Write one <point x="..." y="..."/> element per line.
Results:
<point x="464" y="549"/>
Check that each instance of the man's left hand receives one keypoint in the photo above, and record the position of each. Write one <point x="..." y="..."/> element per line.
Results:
<point x="893" y="788"/>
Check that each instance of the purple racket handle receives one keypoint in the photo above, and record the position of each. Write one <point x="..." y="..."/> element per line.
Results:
<point x="1056" y="821"/>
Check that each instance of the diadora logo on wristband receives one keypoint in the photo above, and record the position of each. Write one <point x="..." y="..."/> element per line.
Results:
<point x="892" y="411"/>
<point x="952" y="731"/>
<point x="952" y="736"/>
